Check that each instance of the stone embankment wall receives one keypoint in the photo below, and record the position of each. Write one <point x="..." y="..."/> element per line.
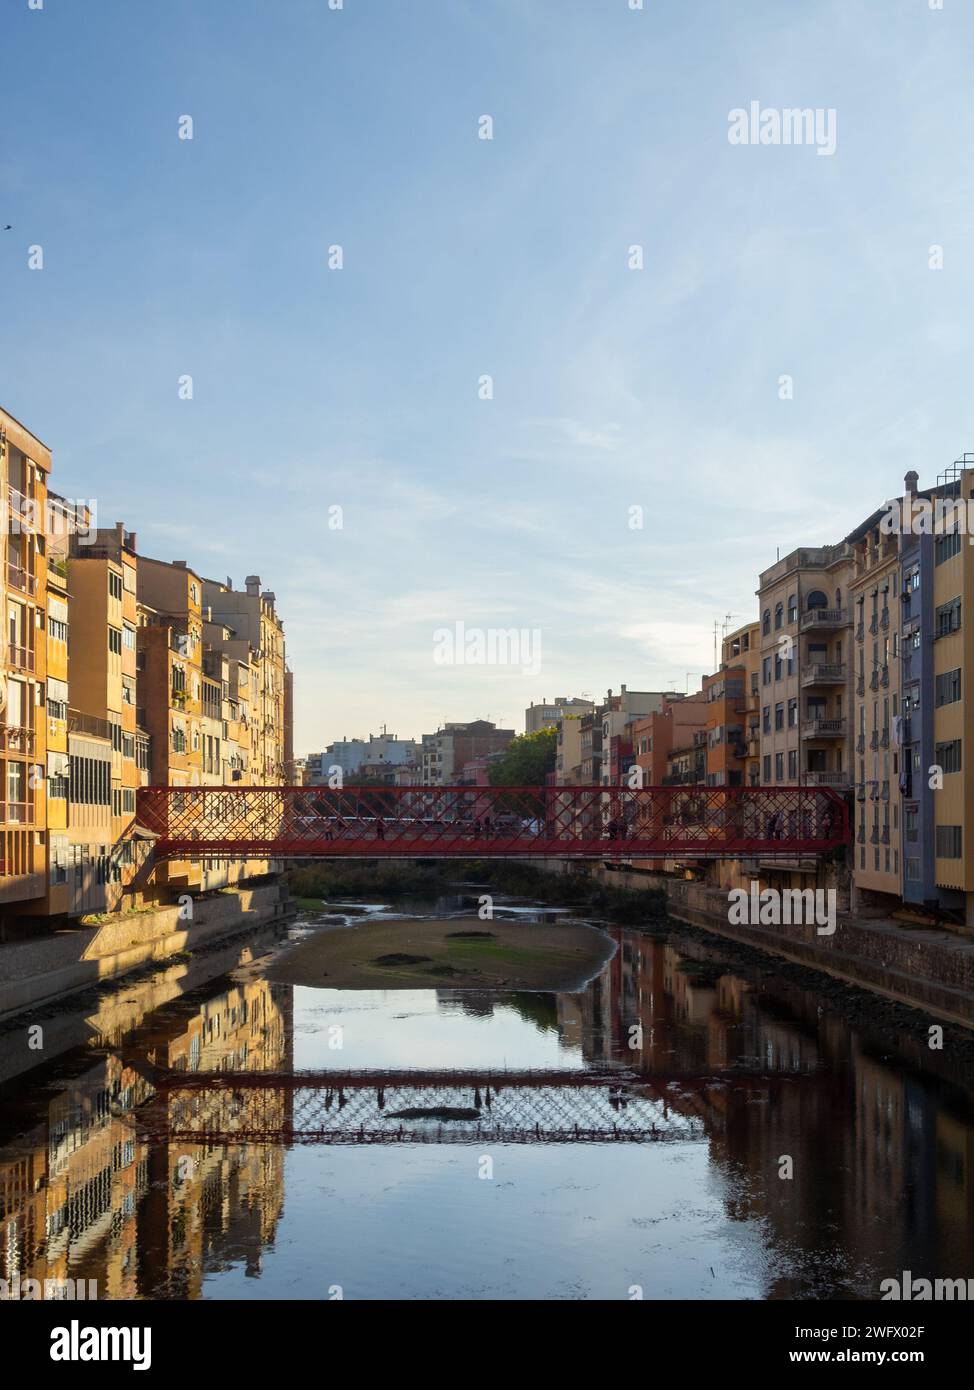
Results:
<point x="930" y="969"/>
<point x="35" y="972"/>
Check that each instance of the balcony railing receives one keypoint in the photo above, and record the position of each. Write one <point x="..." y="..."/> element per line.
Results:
<point x="824" y="673"/>
<point x="18" y="578"/>
<point x="823" y="728"/>
<point x="818" y="619"/>
<point x="17" y="812"/>
<point x="16" y="740"/>
<point x="828" y="779"/>
<point x="22" y="658"/>
<point x="91" y="724"/>
<point x="21" y="507"/>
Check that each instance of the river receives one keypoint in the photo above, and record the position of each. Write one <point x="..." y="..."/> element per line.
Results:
<point x="765" y="1138"/>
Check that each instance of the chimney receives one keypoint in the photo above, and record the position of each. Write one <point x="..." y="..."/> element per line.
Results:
<point x="253" y="585"/>
<point x="911" y="483"/>
<point x="179" y="564"/>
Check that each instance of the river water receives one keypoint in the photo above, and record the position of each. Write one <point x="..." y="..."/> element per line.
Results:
<point x="685" y="1127"/>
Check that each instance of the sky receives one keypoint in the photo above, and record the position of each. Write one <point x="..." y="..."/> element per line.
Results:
<point x="362" y="388"/>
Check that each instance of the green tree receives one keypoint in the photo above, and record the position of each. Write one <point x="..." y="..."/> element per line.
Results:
<point x="527" y="760"/>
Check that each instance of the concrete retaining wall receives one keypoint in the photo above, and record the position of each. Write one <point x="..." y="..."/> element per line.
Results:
<point x="35" y="972"/>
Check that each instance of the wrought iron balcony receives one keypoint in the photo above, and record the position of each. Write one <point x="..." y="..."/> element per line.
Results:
<point x="14" y="739"/>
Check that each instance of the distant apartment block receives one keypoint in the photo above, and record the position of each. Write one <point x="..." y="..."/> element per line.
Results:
<point x="547" y="716"/>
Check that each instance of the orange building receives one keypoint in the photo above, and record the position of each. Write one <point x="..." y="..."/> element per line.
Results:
<point x="655" y="737"/>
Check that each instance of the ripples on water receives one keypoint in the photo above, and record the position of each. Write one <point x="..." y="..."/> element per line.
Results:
<point x="661" y="1173"/>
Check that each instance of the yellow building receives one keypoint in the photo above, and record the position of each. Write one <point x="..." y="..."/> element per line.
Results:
<point x="743" y="648"/>
<point x="59" y="858"/>
<point x="875" y="599"/>
<point x="170" y="642"/>
<point x="257" y="636"/>
<point x="24" y="467"/>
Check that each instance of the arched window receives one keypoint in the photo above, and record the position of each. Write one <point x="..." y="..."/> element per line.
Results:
<point x="792" y="608"/>
<point x="766" y="621"/>
<point x="779" y="615"/>
<point x="816" y="599"/>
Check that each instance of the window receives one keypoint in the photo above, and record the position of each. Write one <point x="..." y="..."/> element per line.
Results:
<point x="792" y="714"/>
<point x="792" y="608"/>
<point x="57" y="698"/>
<point x="779" y="767"/>
<point x="90" y="781"/>
<point x="949" y="841"/>
<point x="57" y="619"/>
<point x="779" y="615"/>
<point x="947" y="687"/>
<point x="115" y="640"/>
<point x="792" y="763"/>
<point x="766" y="719"/>
<point x="58" y="772"/>
<point x="947" y="618"/>
<point x="947" y="755"/>
<point x="945" y="547"/>
<point x="766" y="621"/>
<point x="767" y="767"/>
<point x="766" y="670"/>
<point x="114" y="585"/>
<point x="128" y="636"/>
<point x="779" y="717"/>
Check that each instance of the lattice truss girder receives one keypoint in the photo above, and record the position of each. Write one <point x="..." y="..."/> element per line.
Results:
<point x="431" y="1113"/>
<point x="581" y="822"/>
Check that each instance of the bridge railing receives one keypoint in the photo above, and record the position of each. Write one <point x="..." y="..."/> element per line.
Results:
<point x="500" y="822"/>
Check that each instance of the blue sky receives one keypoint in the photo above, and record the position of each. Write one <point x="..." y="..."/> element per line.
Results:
<point x="358" y="388"/>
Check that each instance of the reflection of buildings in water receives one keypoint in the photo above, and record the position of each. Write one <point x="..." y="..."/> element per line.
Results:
<point x="87" y="1193"/>
<point x="72" y="1183"/>
<point x="882" y="1166"/>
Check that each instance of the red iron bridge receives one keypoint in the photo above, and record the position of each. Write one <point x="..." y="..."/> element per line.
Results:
<point x="493" y="822"/>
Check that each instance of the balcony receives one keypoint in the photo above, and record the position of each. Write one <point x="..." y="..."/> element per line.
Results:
<point x="824" y="674"/>
<point x="16" y="740"/>
<point x="21" y="509"/>
<point x="20" y="658"/>
<point x="823" y="728"/>
<point x="839" y="780"/>
<point x="17" y="812"/>
<point x="90" y="724"/>
<point x="57" y="565"/>
<point x="18" y="578"/>
<point x="824" y="619"/>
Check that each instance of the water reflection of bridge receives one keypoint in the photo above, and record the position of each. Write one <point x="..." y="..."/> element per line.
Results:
<point x="386" y="1107"/>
